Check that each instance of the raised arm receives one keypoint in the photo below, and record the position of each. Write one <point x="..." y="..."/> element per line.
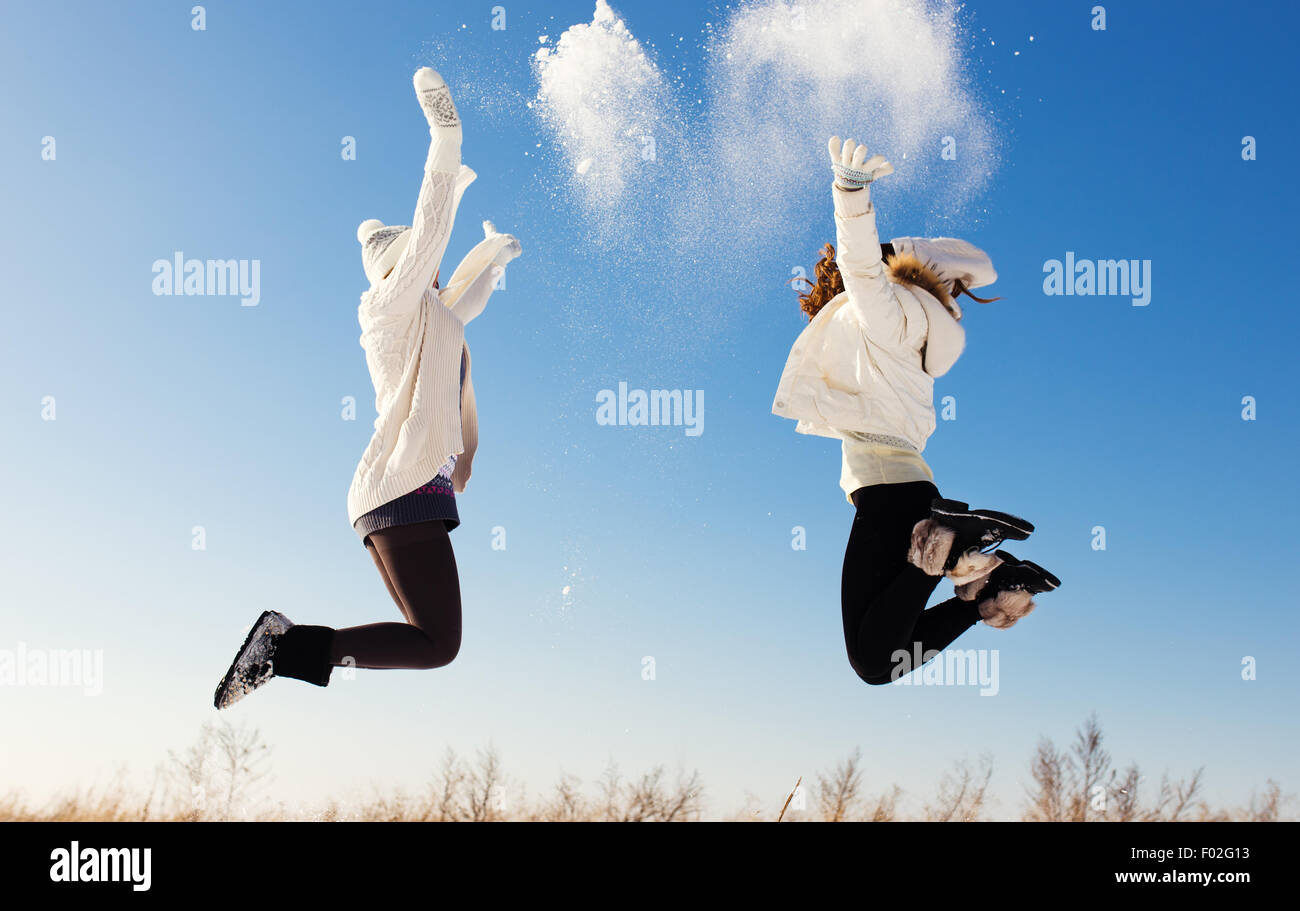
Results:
<point x="470" y="286"/>
<point x="871" y="295"/>
<point x="399" y="294"/>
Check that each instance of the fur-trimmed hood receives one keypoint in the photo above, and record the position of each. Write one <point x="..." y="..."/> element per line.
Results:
<point x="944" y="268"/>
<point x="908" y="269"/>
<point x="944" y="338"/>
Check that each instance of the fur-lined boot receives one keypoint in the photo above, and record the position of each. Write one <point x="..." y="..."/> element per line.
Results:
<point x="276" y="647"/>
<point x="955" y="540"/>
<point x="1007" y="594"/>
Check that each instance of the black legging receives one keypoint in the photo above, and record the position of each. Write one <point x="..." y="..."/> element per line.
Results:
<point x="419" y="569"/>
<point x="883" y="596"/>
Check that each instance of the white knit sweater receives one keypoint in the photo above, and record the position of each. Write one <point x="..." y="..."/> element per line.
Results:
<point x="413" y="336"/>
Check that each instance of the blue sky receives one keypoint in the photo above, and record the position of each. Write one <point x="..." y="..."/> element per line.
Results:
<point x="1075" y="412"/>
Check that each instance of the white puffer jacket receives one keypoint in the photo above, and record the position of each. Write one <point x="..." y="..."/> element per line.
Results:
<point x="867" y="361"/>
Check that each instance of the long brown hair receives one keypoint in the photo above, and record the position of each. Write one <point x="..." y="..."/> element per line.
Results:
<point x="828" y="284"/>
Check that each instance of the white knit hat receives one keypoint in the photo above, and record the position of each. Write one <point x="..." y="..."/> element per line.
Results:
<point x="382" y="245"/>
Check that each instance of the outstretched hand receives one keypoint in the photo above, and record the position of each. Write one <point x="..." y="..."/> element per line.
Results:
<point x="853" y="169"/>
<point x="510" y="251"/>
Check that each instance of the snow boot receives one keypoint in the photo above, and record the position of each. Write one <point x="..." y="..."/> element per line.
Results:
<point x="276" y="647"/>
<point x="955" y="539"/>
<point x="303" y="653"/>
<point x="1006" y="594"/>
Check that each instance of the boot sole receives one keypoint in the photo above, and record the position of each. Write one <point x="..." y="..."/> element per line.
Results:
<point x="230" y="672"/>
<point x="1015" y="528"/>
<point x="1050" y="579"/>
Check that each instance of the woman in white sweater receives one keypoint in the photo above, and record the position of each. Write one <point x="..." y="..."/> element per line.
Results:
<point x="883" y="323"/>
<point x="401" y="502"/>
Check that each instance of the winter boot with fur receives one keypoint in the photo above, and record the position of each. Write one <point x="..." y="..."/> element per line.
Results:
<point x="1007" y="594"/>
<point x="276" y="647"/>
<point x="955" y="540"/>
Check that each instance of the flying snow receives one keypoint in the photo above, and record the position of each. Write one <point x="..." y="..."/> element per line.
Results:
<point x="778" y="79"/>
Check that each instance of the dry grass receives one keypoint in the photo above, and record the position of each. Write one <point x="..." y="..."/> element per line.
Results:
<point x="221" y="776"/>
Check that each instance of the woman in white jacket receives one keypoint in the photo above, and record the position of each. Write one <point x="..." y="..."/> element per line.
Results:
<point x="883" y="323"/>
<point x="401" y="502"/>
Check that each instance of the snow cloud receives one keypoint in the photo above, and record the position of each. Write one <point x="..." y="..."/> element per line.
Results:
<point x="779" y="78"/>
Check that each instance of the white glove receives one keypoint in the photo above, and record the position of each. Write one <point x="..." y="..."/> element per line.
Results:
<point x="510" y="251"/>
<point x="853" y="169"/>
<point x="444" y="122"/>
<point x="435" y="100"/>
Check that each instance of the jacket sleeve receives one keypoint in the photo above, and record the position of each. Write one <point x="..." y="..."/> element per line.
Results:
<point x="870" y="293"/>
<point x="952" y="258"/>
<point x="398" y="296"/>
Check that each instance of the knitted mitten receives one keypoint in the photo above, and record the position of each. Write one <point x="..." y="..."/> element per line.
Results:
<point x="444" y="121"/>
<point x="510" y="249"/>
<point x="853" y="170"/>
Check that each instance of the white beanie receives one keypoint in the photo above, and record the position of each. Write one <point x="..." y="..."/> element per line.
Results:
<point x="382" y="245"/>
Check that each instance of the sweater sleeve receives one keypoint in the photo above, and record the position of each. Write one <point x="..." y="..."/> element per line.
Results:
<point x="399" y="295"/>
<point x="467" y="291"/>
<point x="871" y="295"/>
<point x="471" y="301"/>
